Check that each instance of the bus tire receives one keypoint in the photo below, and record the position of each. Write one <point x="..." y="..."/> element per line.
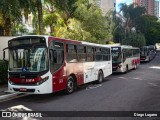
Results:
<point x="70" y="85"/>
<point x="126" y="69"/>
<point x="100" y="77"/>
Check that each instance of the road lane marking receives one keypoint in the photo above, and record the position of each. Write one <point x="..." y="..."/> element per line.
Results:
<point x="155" y="67"/>
<point x="137" y="78"/>
<point x="93" y="86"/>
<point x="153" y="84"/>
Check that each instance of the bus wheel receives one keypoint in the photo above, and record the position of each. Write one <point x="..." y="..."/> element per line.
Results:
<point x="70" y="85"/>
<point x="100" y="77"/>
<point x="126" y="69"/>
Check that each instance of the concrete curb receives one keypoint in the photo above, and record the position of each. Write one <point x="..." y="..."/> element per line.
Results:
<point x="8" y="96"/>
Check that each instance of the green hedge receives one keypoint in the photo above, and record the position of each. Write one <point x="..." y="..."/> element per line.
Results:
<point x="3" y="71"/>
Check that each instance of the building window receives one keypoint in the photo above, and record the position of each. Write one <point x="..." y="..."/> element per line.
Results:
<point x="99" y="3"/>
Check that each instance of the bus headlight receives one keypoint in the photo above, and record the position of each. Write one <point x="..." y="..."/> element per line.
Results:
<point x="42" y="80"/>
<point x="10" y="82"/>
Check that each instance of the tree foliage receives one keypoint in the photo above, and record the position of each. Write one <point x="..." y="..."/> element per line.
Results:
<point x="3" y="71"/>
<point x="135" y="39"/>
<point x="92" y="20"/>
<point x="150" y="27"/>
<point x="135" y="19"/>
<point x="131" y="13"/>
<point x="79" y="19"/>
<point x="10" y="11"/>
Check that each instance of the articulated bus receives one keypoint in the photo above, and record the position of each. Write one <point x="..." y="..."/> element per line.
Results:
<point x="147" y="53"/>
<point x="46" y="64"/>
<point x="125" y="58"/>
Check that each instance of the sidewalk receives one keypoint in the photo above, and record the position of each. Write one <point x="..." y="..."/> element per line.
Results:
<point x="3" y="88"/>
<point x="4" y="95"/>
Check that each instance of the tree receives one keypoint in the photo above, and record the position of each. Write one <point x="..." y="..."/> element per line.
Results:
<point x="52" y="17"/>
<point x="67" y="6"/>
<point x="36" y="8"/>
<point x="73" y="30"/>
<point x="119" y="31"/>
<point x="10" y="10"/>
<point x="153" y="35"/>
<point x="149" y="26"/>
<point x="40" y="16"/>
<point x="112" y="24"/>
<point x="76" y="19"/>
<point x="92" y="20"/>
<point x="131" y="13"/>
<point x="135" y="39"/>
<point x="19" y="29"/>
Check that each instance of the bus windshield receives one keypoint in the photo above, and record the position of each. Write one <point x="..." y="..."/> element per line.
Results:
<point x="144" y="51"/>
<point x="29" y="59"/>
<point x="116" y="56"/>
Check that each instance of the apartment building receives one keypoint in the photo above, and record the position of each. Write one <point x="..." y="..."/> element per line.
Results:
<point x="152" y="6"/>
<point x="106" y="5"/>
<point x="156" y="9"/>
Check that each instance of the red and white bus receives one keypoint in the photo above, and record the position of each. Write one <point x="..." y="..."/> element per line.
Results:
<point x="46" y="64"/>
<point x="147" y="53"/>
<point x="125" y="58"/>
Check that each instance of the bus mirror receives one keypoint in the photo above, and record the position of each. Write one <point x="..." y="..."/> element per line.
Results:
<point x="4" y="55"/>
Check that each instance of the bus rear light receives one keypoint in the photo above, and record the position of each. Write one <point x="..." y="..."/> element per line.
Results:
<point x="42" y="80"/>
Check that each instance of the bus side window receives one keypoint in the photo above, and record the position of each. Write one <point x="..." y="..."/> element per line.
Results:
<point x="124" y="55"/>
<point x="106" y="54"/>
<point x="90" y="54"/>
<point x="81" y="52"/>
<point x="56" y="53"/>
<point x="109" y="54"/>
<point x="136" y="52"/>
<point x="98" y="54"/>
<point x="71" y="55"/>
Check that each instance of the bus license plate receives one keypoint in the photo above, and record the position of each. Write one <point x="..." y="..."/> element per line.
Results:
<point x="22" y="89"/>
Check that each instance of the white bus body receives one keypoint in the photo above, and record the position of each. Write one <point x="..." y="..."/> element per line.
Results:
<point x="46" y="64"/>
<point x="125" y="58"/>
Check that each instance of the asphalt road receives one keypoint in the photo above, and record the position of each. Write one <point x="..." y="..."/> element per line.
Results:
<point x="138" y="90"/>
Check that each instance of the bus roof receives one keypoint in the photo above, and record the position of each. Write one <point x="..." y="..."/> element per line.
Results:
<point x="93" y="44"/>
<point x="62" y="39"/>
<point x="46" y="36"/>
<point x="126" y="46"/>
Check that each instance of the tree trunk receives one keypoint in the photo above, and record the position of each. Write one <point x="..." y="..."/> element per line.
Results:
<point x="40" y="17"/>
<point x="52" y="29"/>
<point x="7" y="26"/>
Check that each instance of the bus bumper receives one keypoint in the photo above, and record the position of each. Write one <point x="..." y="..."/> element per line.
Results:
<point x="39" y="89"/>
<point x="117" y="69"/>
<point x="145" y="59"/>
